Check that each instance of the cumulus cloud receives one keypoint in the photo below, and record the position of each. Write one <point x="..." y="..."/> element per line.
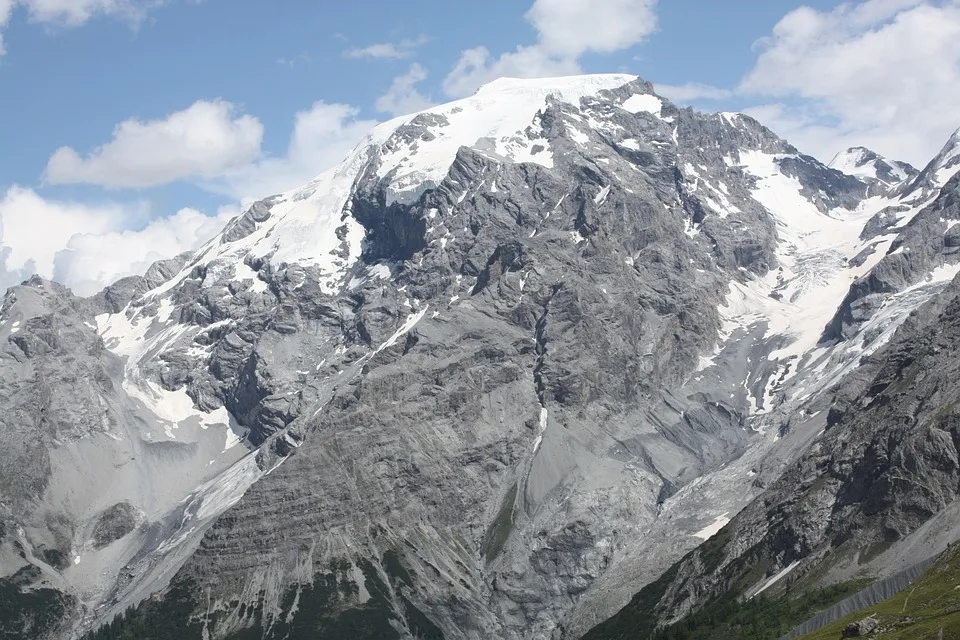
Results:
<point x="881" y="73"/>
<point x="406" y="48"/>
<point x="477" y="67"/>
<point x="202" y="141"/>
<point x="211" y="145"/>
<point x="88" y="246"/>
<point x="570" y="28"/>
<point x="322" y="136"/>
<point x="91" y="261"/>
<point x="33" y="230"/>
<point x="692" y="92"/>
<point x="403" y="97"/>
<point x="566" y="30"/>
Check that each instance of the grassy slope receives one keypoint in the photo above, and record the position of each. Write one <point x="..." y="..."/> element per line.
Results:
<point x="929" y="609"/>
<point x="756" y="619"/>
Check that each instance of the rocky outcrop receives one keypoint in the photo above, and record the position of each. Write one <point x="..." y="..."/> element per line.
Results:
<point x="861" y="628"/>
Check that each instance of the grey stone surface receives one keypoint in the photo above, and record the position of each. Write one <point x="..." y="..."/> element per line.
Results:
<point x="861" y="628"/>
<point x="851" y="506"/>
<point x="495" y="424"/>
<point x="575" y="293"/>
<point x="114" y="523"/>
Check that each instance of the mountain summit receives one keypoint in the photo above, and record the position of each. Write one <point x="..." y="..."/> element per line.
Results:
<point x="868" y="165"/>
<point x="505" y="365"/>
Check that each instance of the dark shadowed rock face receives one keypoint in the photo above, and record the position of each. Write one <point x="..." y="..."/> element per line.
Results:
<point x="503" y="363"/>
<point x="114" y="523"/>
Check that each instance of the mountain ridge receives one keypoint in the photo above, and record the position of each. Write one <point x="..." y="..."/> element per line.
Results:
<point x="499" y="367"/>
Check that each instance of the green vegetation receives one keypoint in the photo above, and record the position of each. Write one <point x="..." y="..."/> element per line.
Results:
<point x="25" y="615"/>
<point x="333" y="606"/>
<point x="500" y="530"/>
<point x="756" y="619"/>
<point x="724" y="618"/>
<point x="929" y="609"/>
<point x="166" y="619"/>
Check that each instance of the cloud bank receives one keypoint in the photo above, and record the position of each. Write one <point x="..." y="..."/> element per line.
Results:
<point x="88" y="246"/>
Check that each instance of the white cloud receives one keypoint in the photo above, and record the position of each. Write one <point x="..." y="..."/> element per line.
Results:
<point x="6" y="10"/>
<point x="692" y="92"/>
<point x="73" y="13"/>
<point x="302" y="58"/>
<point x="570" y="28"/>
<point x="202" y="142"/>
<point x="388" y="50"/>
<point x="212" y="146"/>
<point x="477" y="67"/>
<point x="33" y="230"/>
<point x="403" y="97"/>
<point x="322" y="135"/>
<point x="86" y="247"/>
<point x="566" y="30"/>
<point x="881" y="73"/>
<point x="90" y="262"/>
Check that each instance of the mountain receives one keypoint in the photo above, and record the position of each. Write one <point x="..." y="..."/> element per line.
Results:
<point x="872" y="167"/>
<point x="511" y="361"/>
<point x="876" y="492"/>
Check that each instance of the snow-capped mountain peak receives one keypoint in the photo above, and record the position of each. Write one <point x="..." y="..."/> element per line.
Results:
<point x="866" y="164"/>
<point x="500" y="118"/>
<point x="935" y="174"/>
<point x="445" y="314"/>
<point x="411" y="154"/>
<point x="947" y="162"/>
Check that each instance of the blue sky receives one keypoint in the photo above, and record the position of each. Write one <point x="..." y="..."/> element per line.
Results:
<point x="823" y="74"/>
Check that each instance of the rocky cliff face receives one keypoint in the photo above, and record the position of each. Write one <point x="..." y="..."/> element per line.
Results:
<point x="877" y="490"/>
<point x="875" y="493"/>
<point x="512" y="359"/>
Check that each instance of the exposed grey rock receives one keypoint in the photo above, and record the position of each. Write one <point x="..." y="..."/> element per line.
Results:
<point x="482" y="410"/>
<point x="885" y="466"/>
<point x="930" y="179"/>
<point x="114" y="523"/>
<point x="861" y="628"/>
<point x="523" y="435"/>
<point x="245" y="224"/>
<point x="925" y="243"/>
